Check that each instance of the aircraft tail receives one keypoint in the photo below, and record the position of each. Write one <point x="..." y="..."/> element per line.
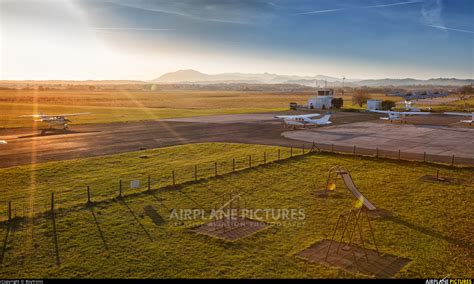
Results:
<point x="323" y="120"/>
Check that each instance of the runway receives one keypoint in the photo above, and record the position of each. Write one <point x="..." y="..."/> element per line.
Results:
<point x="26" y="146"/>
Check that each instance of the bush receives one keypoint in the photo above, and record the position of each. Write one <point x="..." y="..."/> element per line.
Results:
<point x="337" y="102"/>
<point x="388" y="105"/>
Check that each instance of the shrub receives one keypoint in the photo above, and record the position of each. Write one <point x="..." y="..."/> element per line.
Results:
<point x="337" y="102"/>
<point x="388" y="105"/>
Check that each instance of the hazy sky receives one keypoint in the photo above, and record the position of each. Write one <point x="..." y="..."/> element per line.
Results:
<point x="142" y="39"/>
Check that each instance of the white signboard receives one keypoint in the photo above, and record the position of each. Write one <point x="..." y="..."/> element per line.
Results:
<point x="135" y="184"/>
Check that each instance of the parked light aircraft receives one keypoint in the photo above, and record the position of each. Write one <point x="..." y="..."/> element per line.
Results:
<point x="463" y="114"/>
<point x="3" y="142"/>
<point x="293" y="121"/>
<point x="57" y="119"/>
<point x="399" y="115"/>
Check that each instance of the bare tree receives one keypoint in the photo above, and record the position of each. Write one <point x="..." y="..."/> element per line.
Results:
<point x="360" y="97"/>
<point x="465" y="93"/>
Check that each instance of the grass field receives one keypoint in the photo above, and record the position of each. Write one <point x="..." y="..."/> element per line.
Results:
<point x="431" y="224"/>
<point x="122" y="106"/>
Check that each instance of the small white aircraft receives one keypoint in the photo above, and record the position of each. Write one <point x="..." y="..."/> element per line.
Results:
<point x="57" y="119"/>
<point x="463" y="114"/>
<point x="3" y="142"/>
<point x="304" y="119"/>
<point x="399" y="115"/>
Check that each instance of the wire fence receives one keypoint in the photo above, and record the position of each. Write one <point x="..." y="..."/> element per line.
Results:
<point x="96" y="191"/>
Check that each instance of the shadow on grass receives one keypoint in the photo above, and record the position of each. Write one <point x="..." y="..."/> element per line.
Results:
<point x="5" y="241"/>
<point x="101" y="234"/>
<point x="55" y="238"/>
<point x="161" y="202"/>
<point x="430" y="232"/>
<point x="136" y="218"/>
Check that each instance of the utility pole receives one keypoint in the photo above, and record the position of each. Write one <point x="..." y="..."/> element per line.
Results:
<point x="343" y="79"/>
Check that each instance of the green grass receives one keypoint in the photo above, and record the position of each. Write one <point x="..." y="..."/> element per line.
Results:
<point x="11" y="113"/>
<point x="432" y="224"/>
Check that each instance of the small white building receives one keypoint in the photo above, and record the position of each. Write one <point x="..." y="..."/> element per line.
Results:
<point x="322" y="101"/>
<point x="374" y="104"/>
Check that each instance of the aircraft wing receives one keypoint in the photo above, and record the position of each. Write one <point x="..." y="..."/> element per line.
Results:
<point x="459" y="113"/>
<point x="380" y="111"/>
<point x="297" y="116"/>
<point x="412" y="112"/>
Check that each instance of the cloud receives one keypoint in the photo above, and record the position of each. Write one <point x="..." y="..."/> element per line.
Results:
<point x="131" y="29"/>
<point x="450" y="29"/>
<point x="362" y="7"/>
<point x="431" y="13"/>
<point x="226" y="12"/>
<point x="391" y="4"/>
<point x="321" y="11"/>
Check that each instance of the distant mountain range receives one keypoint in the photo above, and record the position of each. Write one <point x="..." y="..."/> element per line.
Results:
<point x="196" y="77"/>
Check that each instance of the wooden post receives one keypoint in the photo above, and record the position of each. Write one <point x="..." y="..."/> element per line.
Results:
<point x="354" y="150"/>
<point x="376" y="152"/>
<point x="250" y="161"/>
<point x="215" y="168"/>
<point x="278" y="154"/>
<point x="452" y="161"/>
<point x="437" y="174"/>
<point x="424" y="156"/>
<point x="195" y="172"/>
<point x="233" y="165"/>
<point x="291" y="151"/>
<point x="332" y="148"/>
<point x="399" y="154"/>
<point x="120" y="188"/>
<point x="88" y="195"/>
<point x="9" y="210"/>
<point x="52" y="202"/>
<point x="149" y="183"/>
<point x="302" y="149"/>
<point x="264" y="157"/>
<point x="174" y="178"/>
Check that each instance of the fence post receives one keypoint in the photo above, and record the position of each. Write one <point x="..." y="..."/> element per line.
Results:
<point x="215" y="168"/>
<point x="195" y="172"/>
<point x="149" y="183"/>
<point x="424" y="156"/>
<point x="9" y="210"/>
<point x="52" y="202"/>
<point x="174" y="178"/>
<point x="250" y="161"/>
<point x="452" y="161"/>
<point x="376" y="152"/>
<point x="399" y="154"/>
<point x="233" y="164"/>
<point x="291" y="151"/>
<point x="437" y="174"/>
<point x="88" y="195"/>
<point x="120" y="188"/>
<point x="332" y="148"/>
<point x="264" y="157"/>
<point x="354" y="150"/>
<point x="302" y="149"/>
<point x="278" y="154"/>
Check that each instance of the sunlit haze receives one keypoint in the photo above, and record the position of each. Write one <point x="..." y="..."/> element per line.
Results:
<point x="141" y="40"/>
